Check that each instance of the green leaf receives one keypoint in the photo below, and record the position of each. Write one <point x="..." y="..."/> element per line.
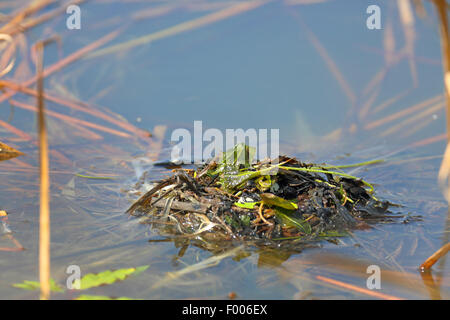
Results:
<point x="92" y="280"/>
<point x="294" y="222"/>
<point x="35" y="285"/>
<point x="93" y="297"/>
<point x="232" y="180"/>
<point x="239" y="154"/>
<point x="273" y="200"/>
<point x="245" y="220"/>
<point x="333" y="233"/>
<point x="246" y="205"/>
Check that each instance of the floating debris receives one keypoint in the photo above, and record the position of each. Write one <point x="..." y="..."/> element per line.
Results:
<point x="266" y="202"/>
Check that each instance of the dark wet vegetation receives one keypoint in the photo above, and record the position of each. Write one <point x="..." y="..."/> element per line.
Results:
<point x="279" y="202"/>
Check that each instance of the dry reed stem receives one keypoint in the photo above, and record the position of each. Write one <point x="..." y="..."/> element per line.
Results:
<point x="365" y="108"/>
<point x="435" y="257"/>
<point x="388" y="102"/>
<point x="182" y="27"/>
<point x="418" y="126"/>
<point x="444" y="174"/>
<point x="44" y="212"/>
<point x="444" y="171"/>
<point x="16" y="131"/>
<point x="80" y="106"/>
<point x="33" y="22"/>
<point x="10" y="52"/>
<point x="19" y="16"/>
<point x="414" y="118"/>
<point x="23" y="25"/>
<point x="402" y="113"/>
<point x="153" y="12"/>
<point x="420" y="9"/>
<point x="84" y="132"/>
<point x="21" y="163"/>
<point x="427" y="141"/>
<point x="441" y="6"/>
<point x="376" y="80"/>
<point x="358" y="289"/>
<point x="389" y="43"/>
<point x="332" y="66"/>
<point x="7" y="167"/>
<point x="71" y="119"/>
<point x="344" y="265"/>
<point x="390" y="58"/>
<point x="433" y="288"/>
<point x="65" y="61"/>
<point x="407" y="19"/>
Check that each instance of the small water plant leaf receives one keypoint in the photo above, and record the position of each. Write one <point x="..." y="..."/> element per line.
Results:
<point x="94" y="297"/>
<point x="239" y="154"/>
<point x="273" y="200"/>
<point x="92" y="280"/>
<point x="7" y="152"/>
<point x="284" y="216"/>
<point x="245" y="220"/>
<point x="232" y="180"/>
<point x="246" y="205"/>
<point x="332" y="233"/>
<point x="35" y="285"/>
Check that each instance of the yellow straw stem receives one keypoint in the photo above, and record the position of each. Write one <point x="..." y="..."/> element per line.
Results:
<point x="44" y="212"/>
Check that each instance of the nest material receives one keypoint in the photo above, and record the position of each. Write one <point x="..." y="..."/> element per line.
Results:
<point x="298" y="201"/>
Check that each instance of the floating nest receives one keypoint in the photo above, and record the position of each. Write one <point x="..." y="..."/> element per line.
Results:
<point x="267" y="202"/>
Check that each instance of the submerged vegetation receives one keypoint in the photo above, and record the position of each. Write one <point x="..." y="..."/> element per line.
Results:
<point x="88" y="281"/>
<point x="235" y="198"/>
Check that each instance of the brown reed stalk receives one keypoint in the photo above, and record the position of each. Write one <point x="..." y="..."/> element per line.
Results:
<point x="66" y="61"/>
<point x="79" y="106"/>
<point x="71" y="119"/>
<point x="427" y="141"/>
<point x="205" y="20"/>
<point x="400" y="114"/>
<point x="44" y="212"/>
<point x="444" y="171"/>
<point x="441" y="6"/>
<point x="435" y="257"/>
<point x="351" y="287"/>
<point x="23" y="13"/>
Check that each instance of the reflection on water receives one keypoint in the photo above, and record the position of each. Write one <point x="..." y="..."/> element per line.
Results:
<point x="338" y="92"/>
